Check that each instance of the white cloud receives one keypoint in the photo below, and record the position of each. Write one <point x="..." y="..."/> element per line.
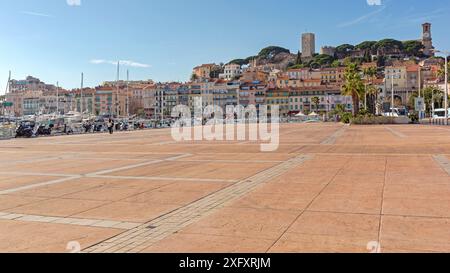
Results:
<point x="134" y="64"/>
<point x="374" y="2"/>
<point x="123" y="63"/>
<point x="74" y="3"/>
<point x="97" y="61"/>
<point x="362" y="18"/>
<point x="32" y="13"/>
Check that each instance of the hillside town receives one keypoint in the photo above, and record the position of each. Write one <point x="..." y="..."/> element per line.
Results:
<point x="303" y="82"/>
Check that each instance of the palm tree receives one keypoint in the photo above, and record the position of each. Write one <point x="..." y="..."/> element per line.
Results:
<point x="316" y="102"/>
<point x="353" y="86"/>
<point x="369" y="74"/>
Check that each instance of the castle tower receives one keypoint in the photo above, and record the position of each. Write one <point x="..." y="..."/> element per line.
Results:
<point x="427" y="40"/>
<point x="308" y="45"/>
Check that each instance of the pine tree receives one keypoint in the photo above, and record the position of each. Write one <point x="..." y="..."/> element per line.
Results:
<point x="298" y="61"/>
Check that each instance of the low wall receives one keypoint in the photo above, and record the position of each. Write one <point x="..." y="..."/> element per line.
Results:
<point x="7" y="132"/>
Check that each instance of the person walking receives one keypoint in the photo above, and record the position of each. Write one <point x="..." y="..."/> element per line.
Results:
<point x="111" y="126"/>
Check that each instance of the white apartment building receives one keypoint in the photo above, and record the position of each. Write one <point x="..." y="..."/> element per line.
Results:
<point x="231" y="71"/>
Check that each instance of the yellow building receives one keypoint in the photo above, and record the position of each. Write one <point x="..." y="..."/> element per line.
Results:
<point x="278" y="97"/>
<point x="332" y="75"/>
<point x="204" y="71"/>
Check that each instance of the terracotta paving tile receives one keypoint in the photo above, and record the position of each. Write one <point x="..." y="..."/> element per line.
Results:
<point x="359" y="179"/>
<point x="245" y="222"/>
<point x="166" y="197"/>
<point x="43" y="237"/>
<point x="410" y="234"/>
<point x="59" y="190"/>
<point x="307" y="243"/>
<point x="11" y="201"/>
<point x="273" y="201"/>
<point x="12" y="182"/>
<point x="347" y="204"/>
<point x="105" y="193"/>
<point x="72" y="166"/>
<point x="409" y="179"/>
<point x="195" y="170"/>
<point x="418" y="191"/>
<point x="57" y="207"/>
<point x="302" y="191"/>
<point x="201" y="243"/>
<point x="416" y="207"/>
<point x="127" y="212"/>
<point x="145" y="185"/>
<point x="337" y="224"/>
<point x="203" y="187"/>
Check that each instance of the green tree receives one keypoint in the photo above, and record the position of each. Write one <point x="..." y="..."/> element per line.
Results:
<point x="413" y="48"/>
<point x="194" y="77"/>
<point x="432" y="96"/>
<point x="270" y="51"/>
<point x="316" y="102"/>
<point x="324" y="60"/>
<point x="370" y="74"/>
<point x="240" y="62"/>
<point x="296" y="66"/>
<point x="345" y="48"/>
<point x="389" y="45"/>
<point x="441" y="71"/>
<point x="336" y="64"/>
<point x="367" y="45"/>
<point x="353" y="86"/>
<point x="298" y="61"/>
<point x="140" y="112"/>
<point x="251" y="59"/>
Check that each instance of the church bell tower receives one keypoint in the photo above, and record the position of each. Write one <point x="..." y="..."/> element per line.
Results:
<point x="427" y="40"/>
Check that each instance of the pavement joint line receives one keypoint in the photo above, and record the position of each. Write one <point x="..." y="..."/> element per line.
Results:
<point x="443" y="162"/>
<point x="39" y="174"/>
<point x="157" y="178"/>
<point x="395" y="133"/>
<point x="69" y="221"/>
<point x="78" y="176"/>
<point x="53" y="182"/>
<point x="176" y="220"/>
<point x="333" y="138"/>
<point x="142" y="164"/>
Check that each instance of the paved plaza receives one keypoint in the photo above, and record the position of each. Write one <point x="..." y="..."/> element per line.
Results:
<point x="328" y="188"/>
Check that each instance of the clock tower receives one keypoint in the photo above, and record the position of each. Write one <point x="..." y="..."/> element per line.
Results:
<point x="427" y="40"/>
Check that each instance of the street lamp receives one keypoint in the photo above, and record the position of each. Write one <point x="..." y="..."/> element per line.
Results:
<point x="446" y="53"/>
<point x="392" y="75"/>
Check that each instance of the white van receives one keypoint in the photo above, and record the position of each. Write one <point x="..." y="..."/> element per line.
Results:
<point x="440" y="113"/>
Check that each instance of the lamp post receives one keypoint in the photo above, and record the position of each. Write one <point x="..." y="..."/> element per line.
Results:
<point x="57" y="98"/>
<point x="446" y="53"/>
<point x="81" y="94"/>
<point x="392" y="74"/>
<point x="420" y="87"/>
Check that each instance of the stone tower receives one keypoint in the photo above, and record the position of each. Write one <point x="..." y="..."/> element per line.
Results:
<point x="427" y="40"/>
<point x="308" y="45"/>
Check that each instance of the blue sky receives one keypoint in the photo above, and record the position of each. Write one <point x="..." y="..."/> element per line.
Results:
<point x="56" y="40"/>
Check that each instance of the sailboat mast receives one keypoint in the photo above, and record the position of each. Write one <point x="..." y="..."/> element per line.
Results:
<point x="81" y="93"/>
<point x="117" y="91"/>
<point x="128" y="89"/>
<point x="57" y="98"/>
